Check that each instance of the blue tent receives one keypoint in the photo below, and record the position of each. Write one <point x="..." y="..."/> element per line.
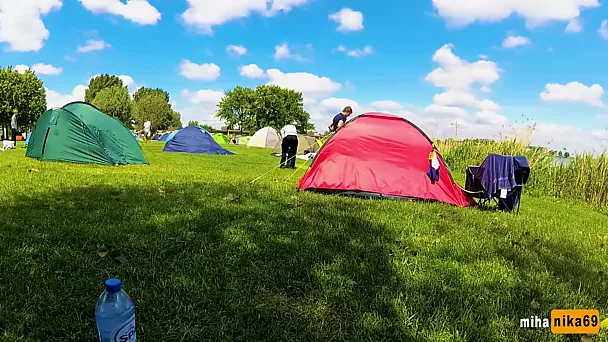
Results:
<point x="27" y="140"/>
<point x="194" y="140"/>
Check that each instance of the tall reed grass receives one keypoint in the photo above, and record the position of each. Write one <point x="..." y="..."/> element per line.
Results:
<point x="584" y="177"/>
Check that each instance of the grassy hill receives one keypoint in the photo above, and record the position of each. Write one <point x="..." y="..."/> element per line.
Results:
<point x="207" y="255"/>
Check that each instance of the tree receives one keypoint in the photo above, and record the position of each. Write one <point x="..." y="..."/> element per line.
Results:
<point x="560" y="154"/>
<point x="24" y="92"/>
<point x="143" y="91"/>
<point x="567" y="155"/>
<point x="276" y="107"/>
<point x="99" y="83"/>
<point x="155" y="108"/>
<point x="236" y="107"/>
<point x="116" y="102"/>
<point x="192" y="123"/>
<point x="208" y="128"/>
<point x="176" y="120"/>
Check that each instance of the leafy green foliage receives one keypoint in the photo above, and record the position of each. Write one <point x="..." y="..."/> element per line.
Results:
<point x="143" y="92"/>
<point x="24" y="92"/>
<point x="192" y="123"/>
<point x="116" y="102"/>
<point x="236" y="107"/>
<point x="208" y="128"/>
<point x="266" y="105"/>
<point x="175" y="122"/>
<point x="99" y="83"/>
<point x="155" y="108"/>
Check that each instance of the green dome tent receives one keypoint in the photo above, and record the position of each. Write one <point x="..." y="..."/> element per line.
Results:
<point x="80" y="133"/>
<point x="221" y="138"/>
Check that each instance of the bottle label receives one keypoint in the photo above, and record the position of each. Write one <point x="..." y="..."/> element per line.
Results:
<point x="126" y="333"/>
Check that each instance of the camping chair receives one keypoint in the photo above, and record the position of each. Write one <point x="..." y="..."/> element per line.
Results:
<point x="512" y="198"/>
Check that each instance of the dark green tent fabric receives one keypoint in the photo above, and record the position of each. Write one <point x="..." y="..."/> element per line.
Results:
<point x="80" y="133"/>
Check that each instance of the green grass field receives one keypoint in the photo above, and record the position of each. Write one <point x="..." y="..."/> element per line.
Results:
<point x="208" y="256"/>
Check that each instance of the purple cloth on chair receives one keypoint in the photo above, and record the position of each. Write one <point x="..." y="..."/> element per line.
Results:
<point x="496" y="172"/>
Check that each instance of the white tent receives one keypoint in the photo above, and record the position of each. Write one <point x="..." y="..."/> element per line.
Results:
<point x="266" y="137"/>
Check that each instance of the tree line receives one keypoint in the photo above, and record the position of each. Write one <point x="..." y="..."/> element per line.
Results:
<point x="241" y="108"/>
<point x="267" y="105"/>
<point x="111" y="96"/>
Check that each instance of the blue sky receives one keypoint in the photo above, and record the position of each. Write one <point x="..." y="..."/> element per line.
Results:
<point x="483" y="64"/>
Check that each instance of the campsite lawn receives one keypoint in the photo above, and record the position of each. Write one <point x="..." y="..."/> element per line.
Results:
<point x="208" y="256"/>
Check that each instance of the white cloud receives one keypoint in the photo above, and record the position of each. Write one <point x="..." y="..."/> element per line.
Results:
<point x="46" y="69"/>
<point x="201" y="72"/>
<point x="236" y="50"/>
<point x="488" y="117"/>
<point x="137" y="11"/>
<point x="348" y="19"/>
<point x="387" y="105"/>
<point x="311" y="86"/>
<point x="94" y="45"/>
<point x="460" y="14"/>
<point x="515" y="41"/>
<point x="445" y="111"/>
<point x="56" y="100"/>
<point x="252" y="71"/>
<point x="203" y="106"/>
<point x="282" y="52"/>
<point x="204" y="14"/>
<point x="21" y="68"/>
<point x="573" y="92"/>
<point x="572" y="138"/>
<point x="487" y="106"/>
<point x="456" y="73"/>
<point x="368" y="50"/>
<point x="21" y="24"/>
<point x="574" y="26"/>
<point x="486" y="89"/>
<point x="484" y="56"/>
<point x="69" y="58"/>
<point x="454" y="98"/>
<point x="604" y="29"/>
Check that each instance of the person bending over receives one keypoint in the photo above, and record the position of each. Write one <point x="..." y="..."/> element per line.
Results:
<point x="340" y="119"/>
<point x="289" y="146"/>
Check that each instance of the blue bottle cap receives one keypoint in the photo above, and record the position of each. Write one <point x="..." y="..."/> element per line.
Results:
<point x="113" y="285"/>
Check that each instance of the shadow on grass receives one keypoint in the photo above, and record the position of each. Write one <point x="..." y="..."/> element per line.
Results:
<point x="203" y="263"/>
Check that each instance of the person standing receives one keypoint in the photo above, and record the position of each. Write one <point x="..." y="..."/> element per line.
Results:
<point x="14" y="126"/>
<point x="147" y="130"/>
<point x="340" y="119"/>
<point x="289" y="146"/>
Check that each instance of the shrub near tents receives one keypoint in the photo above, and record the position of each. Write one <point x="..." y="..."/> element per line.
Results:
<point x="80" y="133"/>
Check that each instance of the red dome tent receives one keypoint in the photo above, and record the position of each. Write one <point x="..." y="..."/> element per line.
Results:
<point x="381" y="155"/>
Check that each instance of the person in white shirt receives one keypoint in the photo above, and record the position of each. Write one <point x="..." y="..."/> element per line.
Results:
<point x="289" y="146"/>
<point x="14" y="126"/>
<point x="147" y="130"/>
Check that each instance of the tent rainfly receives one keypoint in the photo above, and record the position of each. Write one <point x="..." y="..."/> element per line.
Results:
<point x="266" y="137"/>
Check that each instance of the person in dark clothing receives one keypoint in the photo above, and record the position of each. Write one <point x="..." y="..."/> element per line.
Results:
<point x="340" y="119"/>
<point x="14" y="126"/>
<point x="289" y="146"/>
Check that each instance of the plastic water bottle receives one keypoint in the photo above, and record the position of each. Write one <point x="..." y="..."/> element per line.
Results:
<point x="115" y="314"/>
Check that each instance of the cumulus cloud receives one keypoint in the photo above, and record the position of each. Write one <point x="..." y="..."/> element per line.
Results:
<point x="604" y="29"/>
<point x="574" y="26"/>
<point x="21" y="24"/>
<point x="202" y="106"/>
<point x="137" y="11"/>
<point x="487" y="105"/>
<point x="311" y="86"/>
<point x="94" y="45"/>
<point x="387" y="105"/>
<point x="252" y="71"/>
<point x="348" y="19"/>
<point x="512" y="42"/>
<point x="21" y="68"/>
<point x="200" y="72"/>
<point x="454" y="97"/>
<point x="46" y="69"/>
<point x="236" y="50"/>
<point x="282" y="52"/>
<point x="574" y="92"/>
<point x="368" y="50"/>
<point x="445" y="111"/>
<point x="488" y="117"/>
<point x="203" y="15"/>
<point x="456" y="73"/>
<point x="55" y="100"/>
<point x="535" y="13"/>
